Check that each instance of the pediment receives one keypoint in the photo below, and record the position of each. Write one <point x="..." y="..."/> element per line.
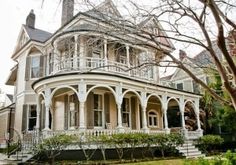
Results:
<point x="108" y="8"/>
<point x="153" y="26"/>
<point x="22" y="39"/>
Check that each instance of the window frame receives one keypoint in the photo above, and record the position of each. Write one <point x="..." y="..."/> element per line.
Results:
<point x="153" y="116"/>
<point x="31" y="62"/>
<point x="29" y="117"/>
<point x="99" y="109"/>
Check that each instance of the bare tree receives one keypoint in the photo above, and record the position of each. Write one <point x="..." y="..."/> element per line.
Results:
<point x="200" y="23"/>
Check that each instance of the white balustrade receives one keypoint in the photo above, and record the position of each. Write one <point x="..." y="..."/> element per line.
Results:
<point x="92" y="64"/>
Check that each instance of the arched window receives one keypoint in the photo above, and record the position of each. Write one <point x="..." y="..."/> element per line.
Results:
<point x="152" y="119"/>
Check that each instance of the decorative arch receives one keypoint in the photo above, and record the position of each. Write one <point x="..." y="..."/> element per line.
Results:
<point x="104" y="86"/>
<point x="193" y="104"/>
<point x="60" y="87"/>
<point x="41" y="94"/>
<point x="131" y="90"/>
<point x="34" y="47"/>
<point x="173" y="98"/>
<point x="155" y="95"/>
<point x="190" y="115"/>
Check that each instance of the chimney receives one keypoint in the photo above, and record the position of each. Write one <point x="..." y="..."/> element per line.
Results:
<point x="67" y="11"/>
<point x="182" y="54"/>
<point x="30" y="20"/>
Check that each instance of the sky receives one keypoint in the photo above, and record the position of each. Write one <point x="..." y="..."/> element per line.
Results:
<point x="13" y="14"/>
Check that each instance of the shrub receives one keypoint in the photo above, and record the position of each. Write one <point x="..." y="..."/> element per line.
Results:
<point x="208" y="143"/>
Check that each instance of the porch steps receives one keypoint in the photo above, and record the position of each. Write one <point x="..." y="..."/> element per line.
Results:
<point x="189" y="150"/>
<point x="20" y="157"/>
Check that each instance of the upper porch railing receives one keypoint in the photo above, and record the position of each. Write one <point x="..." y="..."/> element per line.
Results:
<point x="91" y="64"/>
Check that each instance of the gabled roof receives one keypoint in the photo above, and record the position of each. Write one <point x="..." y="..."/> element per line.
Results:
<point x="104" y="9"/>
<point x="201" y="60"/>
<point x="37" y="34"/>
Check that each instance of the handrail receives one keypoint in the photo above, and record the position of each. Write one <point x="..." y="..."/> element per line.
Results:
<point x="91" y="64"/>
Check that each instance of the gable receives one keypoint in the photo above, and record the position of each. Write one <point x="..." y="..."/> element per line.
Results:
<point x="108" y="8"/>
<point x="105" y="10"/>
<point x="152" y="25"/>
<point x="22" y="39"/>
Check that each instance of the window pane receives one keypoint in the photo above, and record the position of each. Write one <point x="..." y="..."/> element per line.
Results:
<point x="32" y="117"/>
<point x="35" y="66"/>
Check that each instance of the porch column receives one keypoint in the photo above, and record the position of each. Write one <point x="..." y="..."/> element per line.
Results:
<point x="75" y="55"/>
<point x="144" y="118"/>
<point x="47" y="118"/>
<point x="47" y="108"/>
<point x="82" y="87"/>
<point x="181" y="106"/>
<point x="105" y="54"/>
<point x="127" y="55"/>
<point x="164" y="110"/>
<point x="38" y="113"/>
<point x="81" y="116"/>
<point x="119" y="119"/>
<point x="197" y="114"/>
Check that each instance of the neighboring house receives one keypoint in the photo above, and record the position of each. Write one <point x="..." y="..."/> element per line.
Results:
<point x="6" y="117"/>
<point x="80" y="78"/>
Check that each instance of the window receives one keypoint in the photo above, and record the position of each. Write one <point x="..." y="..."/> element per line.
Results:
<point x="152" y="119"/>
<point x="179" y="86"/>
<point x="125" y="109"/>
<point x="32" y="116"/>
<point x="98" y="110"/>
<point x="196" y="87"/>
<point x="35" y="67"/>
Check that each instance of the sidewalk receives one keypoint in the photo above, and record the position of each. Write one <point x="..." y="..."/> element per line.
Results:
<point x="3" y="160"/>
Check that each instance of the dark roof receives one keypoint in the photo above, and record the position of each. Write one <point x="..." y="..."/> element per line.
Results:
<point x="204" y="58"/>
<point x="37" y="34"/>
<point x="10" y="97"/>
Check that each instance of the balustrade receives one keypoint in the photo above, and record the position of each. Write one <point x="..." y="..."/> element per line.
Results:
<point x="91" y="64"/>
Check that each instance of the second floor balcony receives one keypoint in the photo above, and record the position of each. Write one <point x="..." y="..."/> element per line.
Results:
<point x="91" y="64"/>
<point x="85" y="54"/>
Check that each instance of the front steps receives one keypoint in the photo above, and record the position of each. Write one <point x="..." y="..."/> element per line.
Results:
<point x="189" y="150"/>
<point x="20" y="157"/>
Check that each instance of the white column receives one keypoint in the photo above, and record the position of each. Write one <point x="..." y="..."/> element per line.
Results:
<point x="75" y="56"/>
<point x="144" y="118"/>
<point x="47" y="110"/>
<point x="164" y="110"/>
<point x="127" y="55"/>
<point x="82" y="87"/>
<point x="47" y="118"/>
<point x="38" y="113"/>
<point x="81" y="116"/>
<point x="119" y="119"/>
<point x="197" y="114"/>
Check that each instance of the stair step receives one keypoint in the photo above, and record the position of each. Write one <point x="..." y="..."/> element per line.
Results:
<point x="192" y="153"/>
<point x="195" y="156"/>
<point x="188" y="150"/>
<point x="185" y="147"/>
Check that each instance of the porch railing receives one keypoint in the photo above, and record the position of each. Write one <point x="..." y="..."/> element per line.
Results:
<point x="91" y="64"/>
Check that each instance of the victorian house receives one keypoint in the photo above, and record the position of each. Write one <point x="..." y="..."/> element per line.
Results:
<point x="92" y="75"/>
